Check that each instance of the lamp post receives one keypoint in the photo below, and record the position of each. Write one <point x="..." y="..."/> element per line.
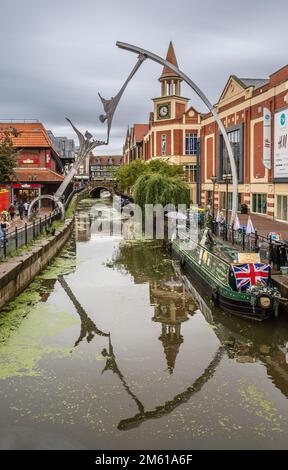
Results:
<point x="227" y="178"/>
<point x="213" y="179"/>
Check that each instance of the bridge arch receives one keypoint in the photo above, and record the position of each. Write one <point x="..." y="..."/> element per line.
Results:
<point x="95" y="188"/>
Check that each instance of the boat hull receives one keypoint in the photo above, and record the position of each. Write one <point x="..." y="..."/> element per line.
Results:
<point x="228" y="301"/>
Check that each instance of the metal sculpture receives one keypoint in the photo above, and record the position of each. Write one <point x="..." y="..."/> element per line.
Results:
<point x="146" y="54"/>
<point x="87" y="143"/>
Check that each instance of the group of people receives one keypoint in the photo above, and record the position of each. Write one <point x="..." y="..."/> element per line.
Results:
<point x="8" y="216"/>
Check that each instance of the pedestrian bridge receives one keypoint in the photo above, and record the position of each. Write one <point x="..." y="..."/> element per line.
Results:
<point x="95" y="187"/>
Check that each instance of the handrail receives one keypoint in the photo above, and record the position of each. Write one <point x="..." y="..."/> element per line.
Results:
<point x="204" y="248"/>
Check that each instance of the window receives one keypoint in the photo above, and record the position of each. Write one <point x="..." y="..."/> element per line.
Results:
<point x="282" y="213"/>
<point x="163" y="144"/>
<point x="236" y="139"/>
<point x="259" y="203"/>
<point x="223" y="201"/>
<point x="191" y="173"/>
<point x="191" y="144"/>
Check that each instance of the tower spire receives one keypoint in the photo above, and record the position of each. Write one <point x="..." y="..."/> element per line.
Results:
<point x="170" y="57"/>
<point x="170" y="80"/>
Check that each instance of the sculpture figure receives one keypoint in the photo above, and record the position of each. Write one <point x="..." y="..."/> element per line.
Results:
<point x="87" y="143"/>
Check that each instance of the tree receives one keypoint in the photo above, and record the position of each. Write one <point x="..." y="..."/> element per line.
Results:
<point x="127" y="175"/>
<point x="160" y="189"/>
<point x="8" y="155"/>
<point x="161" y="167"/>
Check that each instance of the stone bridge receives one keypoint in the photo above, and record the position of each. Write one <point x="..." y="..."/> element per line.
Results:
<point x="94" y="187"/>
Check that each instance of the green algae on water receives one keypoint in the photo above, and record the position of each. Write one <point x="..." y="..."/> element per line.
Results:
<point x="21" y="353"/>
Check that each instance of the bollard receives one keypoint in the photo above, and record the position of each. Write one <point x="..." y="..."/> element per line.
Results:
<point x="256" y="241"/>
<point x="26" y="234"/>
<point x="16" y="238"/>
<point x="4" y="243"/>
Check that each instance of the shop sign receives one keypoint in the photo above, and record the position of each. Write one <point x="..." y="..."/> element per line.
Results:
<point x="26" y="186"/>
<point x="267" y="138"/>
<point x="29" y="160"/>
<point x="280" y="144"/>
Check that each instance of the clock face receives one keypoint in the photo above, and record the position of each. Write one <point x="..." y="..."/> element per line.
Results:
<point x="164" y="110"/>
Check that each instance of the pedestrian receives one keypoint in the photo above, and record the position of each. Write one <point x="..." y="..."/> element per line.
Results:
<point x="5" y="215"/>
<point x="26" y="207"/>
<point x="12" y="211"/>
<point x="21" y="210"/>
<point x="4" y="226"/>
<point x="1" y="237"/>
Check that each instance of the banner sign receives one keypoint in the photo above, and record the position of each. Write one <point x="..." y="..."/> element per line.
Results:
<point x="26" y="185"/>
<point x="280" y="144"/>
<point x="48" y="158"/>
<point x="267" y="138"/>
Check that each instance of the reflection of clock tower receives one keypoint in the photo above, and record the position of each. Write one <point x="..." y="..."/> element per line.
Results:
<point x="170" y="105"/>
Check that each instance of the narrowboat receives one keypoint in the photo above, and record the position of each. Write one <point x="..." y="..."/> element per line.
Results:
<point x="215" y="276"/>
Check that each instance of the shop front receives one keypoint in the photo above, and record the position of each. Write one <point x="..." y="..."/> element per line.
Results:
<point x="25" y="192"/>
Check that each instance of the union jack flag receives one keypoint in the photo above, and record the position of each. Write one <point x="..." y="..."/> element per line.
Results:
<point x="249" y="274"/>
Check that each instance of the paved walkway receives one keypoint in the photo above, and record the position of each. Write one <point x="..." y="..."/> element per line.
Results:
<point x="17" y="222"/>
<point x="264" y="225"/>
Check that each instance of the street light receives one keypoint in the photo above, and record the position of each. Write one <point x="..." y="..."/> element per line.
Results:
<point x="213" y="179"/>
<point x="227" y="178"/>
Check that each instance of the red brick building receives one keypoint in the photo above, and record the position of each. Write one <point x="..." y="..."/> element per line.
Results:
<point x="255" y="114"/>
<point x="174" y="127"/>
<point x="39" y="168"/>
<point x="133" y="147"/>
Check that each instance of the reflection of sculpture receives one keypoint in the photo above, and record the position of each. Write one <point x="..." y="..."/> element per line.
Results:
<point x="169" y="406"/>
<point x="178" y="400"/>
<point x="88" y="327"/>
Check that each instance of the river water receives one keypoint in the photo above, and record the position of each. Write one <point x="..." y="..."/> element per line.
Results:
<point x="111" y="348"/>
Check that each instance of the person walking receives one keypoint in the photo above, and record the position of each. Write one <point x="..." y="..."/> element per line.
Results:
<point x="4" y="226"/>
<point x="21" y="210"/>
<point x="12" y="212"/>
<point x="26" y="207"/>
<point x="5" y="215"/>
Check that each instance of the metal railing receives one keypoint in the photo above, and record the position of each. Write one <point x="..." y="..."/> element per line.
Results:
<point x="271" y="251"/>
<point x="14" y="238"/>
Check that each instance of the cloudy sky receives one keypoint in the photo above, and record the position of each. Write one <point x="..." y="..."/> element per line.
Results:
<point x="56" y="55"/>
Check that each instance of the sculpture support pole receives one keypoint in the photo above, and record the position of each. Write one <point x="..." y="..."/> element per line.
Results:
<point x="209" y="105"/>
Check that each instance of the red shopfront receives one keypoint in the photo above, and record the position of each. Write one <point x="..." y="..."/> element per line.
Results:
<point x="25" y="192"/>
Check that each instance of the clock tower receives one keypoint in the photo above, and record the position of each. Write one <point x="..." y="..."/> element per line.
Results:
<point x="170" y="105"/>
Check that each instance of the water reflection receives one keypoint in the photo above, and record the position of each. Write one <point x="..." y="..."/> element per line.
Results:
<point x="150" y="355"/>
<point x="247" y="342"/>
<point x="88" y="328"/>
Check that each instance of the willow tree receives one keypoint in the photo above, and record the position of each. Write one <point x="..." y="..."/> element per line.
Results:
<point x="127" y="175"/>
<point x="160" y="189"/>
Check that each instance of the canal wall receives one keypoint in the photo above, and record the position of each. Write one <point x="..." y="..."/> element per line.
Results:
<point x="17" y="272"/>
